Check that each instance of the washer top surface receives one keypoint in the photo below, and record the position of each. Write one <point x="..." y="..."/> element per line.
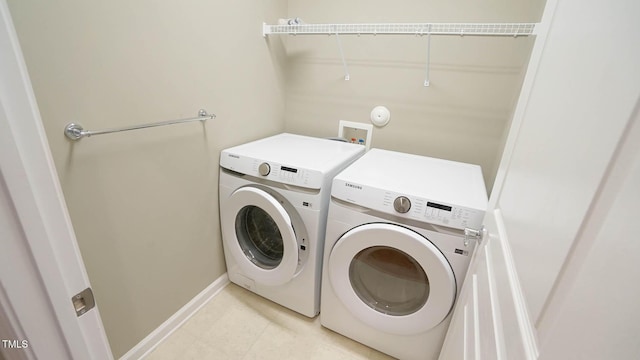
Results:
<point x="440" y="191"/>
<point x="299" y="151"/>
<point x="292" y="159"/>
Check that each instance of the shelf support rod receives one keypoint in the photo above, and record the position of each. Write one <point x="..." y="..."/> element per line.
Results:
<point x="344" y="61"/>
<point x="426" y="78"/>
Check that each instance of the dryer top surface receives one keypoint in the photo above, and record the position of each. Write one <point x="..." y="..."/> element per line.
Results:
<point x="429" y="178"/>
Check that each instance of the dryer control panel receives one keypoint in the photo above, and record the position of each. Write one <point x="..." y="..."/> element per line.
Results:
<point x="408" y="206"/>
<point x="432" y="212"/>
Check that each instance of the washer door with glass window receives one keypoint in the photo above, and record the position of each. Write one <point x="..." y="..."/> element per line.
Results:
<point x="392" y="278"/>
<point x="259" y="234"/>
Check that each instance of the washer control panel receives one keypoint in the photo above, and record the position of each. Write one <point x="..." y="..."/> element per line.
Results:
<point x="281" y="173"/>
<point x="273" y="171"/>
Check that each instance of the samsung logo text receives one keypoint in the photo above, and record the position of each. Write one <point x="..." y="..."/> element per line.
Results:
<point x="358" y="187"/>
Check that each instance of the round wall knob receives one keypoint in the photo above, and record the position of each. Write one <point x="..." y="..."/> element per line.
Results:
<point x="264" y="169"/>
<point x="380" y="116"/>
<point x="402" y="204"/>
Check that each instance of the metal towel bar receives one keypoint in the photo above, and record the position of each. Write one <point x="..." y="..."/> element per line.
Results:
<point x="76" y="131"/>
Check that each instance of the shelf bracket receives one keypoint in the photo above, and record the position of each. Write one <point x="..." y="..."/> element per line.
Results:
<point x="344" y="61"/>
<point x="426" y="78"/>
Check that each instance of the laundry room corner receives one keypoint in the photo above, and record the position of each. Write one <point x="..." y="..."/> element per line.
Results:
<point x="464" y="113"/>
<point x="144" y="203"/>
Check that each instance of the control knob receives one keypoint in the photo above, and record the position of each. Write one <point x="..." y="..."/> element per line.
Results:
<point x="402" y="204"/>
<point x="264" y="169"/>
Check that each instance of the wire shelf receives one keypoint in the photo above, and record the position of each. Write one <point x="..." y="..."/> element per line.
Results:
<point x="486" y="29"/>
<point x="295" y="27"/>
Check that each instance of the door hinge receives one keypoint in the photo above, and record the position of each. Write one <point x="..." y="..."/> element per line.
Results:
<point x="83" y="301"/>
<point x="473" y="234"/>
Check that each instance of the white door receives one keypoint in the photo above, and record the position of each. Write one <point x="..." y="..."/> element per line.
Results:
<point x="530" y="291"/>
<point x="259" y="233"/>
<point x="41" y="267"/>
<point x="392" y="278"/>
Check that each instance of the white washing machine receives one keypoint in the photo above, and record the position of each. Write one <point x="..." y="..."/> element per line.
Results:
<point x="274" y="197"/>
<point x="395" y="250"/>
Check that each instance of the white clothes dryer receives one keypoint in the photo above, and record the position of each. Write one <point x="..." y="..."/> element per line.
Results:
<point x="274" y="197"/>
<point x="395" y="250"/>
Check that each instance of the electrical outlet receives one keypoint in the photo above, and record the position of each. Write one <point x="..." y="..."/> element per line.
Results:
<point x="357" y="133"/>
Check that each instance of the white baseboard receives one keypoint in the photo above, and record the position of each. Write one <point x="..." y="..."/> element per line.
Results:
<point x="157" y="336"/>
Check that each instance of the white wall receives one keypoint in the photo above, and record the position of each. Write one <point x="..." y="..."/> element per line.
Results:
<point x="144" y="204"/>
<point x="582" y="99"/>
<point x="593" y="311"/>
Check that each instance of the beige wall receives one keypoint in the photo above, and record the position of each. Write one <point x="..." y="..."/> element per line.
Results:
<point x="144" y="203"/>
<point x="474" y="81"/>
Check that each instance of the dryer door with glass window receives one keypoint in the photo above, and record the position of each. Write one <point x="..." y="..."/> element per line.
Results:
<point x="260" y="236"/>
<point x="392" y="278"/>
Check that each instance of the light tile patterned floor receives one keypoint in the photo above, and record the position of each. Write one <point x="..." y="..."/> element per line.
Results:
<point x="238" y="324"/>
